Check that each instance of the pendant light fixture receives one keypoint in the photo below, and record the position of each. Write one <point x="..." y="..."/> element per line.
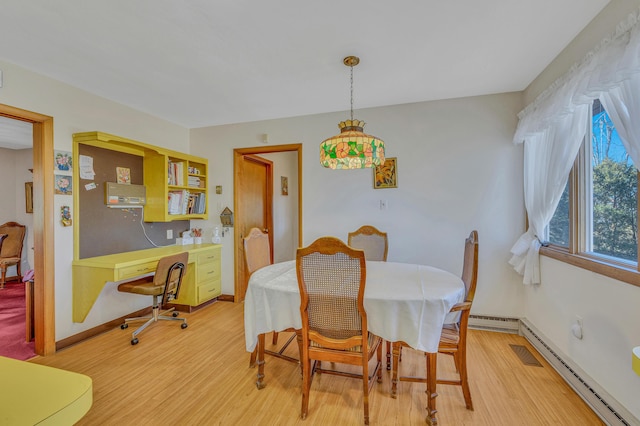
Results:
<point x="352" y="148"/>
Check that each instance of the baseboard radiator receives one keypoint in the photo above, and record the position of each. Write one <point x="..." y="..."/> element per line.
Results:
<point x="604" y="405"/>
<point x="493" y="323"/>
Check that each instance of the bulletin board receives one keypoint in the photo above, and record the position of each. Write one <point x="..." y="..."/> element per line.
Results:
<point x="103" y="230"/>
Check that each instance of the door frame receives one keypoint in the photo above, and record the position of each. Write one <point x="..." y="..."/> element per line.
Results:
<point x="43" y="226"/>
<point x="238" y="153"/>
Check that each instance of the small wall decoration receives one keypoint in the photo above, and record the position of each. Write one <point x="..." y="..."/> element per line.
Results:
<point x="63" y="185"/>
<point x="123" y="175"/>
<point x="28" y="193"/>
<point x="386" y="175"/>
<point x="63" y="161"/>
<point x="284" y="184"/>
<point x="65" y="215"/>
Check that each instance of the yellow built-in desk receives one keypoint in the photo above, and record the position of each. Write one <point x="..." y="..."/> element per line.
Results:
<point x="201" y="283"/>
<point x="32" y="394"/>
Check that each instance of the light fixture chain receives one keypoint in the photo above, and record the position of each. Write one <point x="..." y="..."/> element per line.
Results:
<point x="351" y="93"/>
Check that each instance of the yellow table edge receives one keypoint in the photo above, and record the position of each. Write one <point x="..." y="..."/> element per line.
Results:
<point x="33" y="394"/>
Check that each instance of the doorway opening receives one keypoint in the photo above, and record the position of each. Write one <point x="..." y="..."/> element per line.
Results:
<point x="43" y="229"/>
<point x="239" y="154"/>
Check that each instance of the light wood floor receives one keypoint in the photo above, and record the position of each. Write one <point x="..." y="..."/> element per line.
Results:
<point x="200" y="376"/>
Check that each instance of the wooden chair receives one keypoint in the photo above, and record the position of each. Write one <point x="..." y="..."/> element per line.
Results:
<point x="166" y="284"/>
<point x="375" y="245"/>
<point x="373" y="242"/>
<point x="11" y="251"/>
<point x="453" y="340"/>
<point x="331" y="278"/>
<point x="257" y="254"/>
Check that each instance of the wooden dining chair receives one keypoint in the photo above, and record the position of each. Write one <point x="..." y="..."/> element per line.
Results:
<point x="373" y="242"/>
<point x="453" y="340"/>
<point x="11" y="250"/>
<point x="331" y="279"/>
<point x="257" y="254"/>
<point x="375" y="245"/>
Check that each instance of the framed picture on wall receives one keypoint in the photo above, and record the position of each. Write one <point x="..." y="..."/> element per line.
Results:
<point x="28" y="194"/>
<point x="386" y="175"/>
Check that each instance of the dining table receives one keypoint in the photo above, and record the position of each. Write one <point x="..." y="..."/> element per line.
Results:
<point x="404" y="302"/>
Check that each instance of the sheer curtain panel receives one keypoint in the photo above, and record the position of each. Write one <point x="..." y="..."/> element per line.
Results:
<point x="554" y="125"/>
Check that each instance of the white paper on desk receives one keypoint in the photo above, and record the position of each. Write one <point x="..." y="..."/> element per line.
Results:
<point x="86" y="167"/>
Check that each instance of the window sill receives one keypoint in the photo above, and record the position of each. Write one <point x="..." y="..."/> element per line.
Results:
<point x="599" y="266"/>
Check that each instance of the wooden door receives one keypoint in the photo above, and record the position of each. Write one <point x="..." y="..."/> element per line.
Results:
<point x="254" y="194"/>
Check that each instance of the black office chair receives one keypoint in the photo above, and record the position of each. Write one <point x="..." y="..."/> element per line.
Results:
<point x="166" y="283"/>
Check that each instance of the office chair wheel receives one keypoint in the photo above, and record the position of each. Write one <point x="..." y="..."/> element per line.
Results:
<point x="184" y="325"/>
<point x="125" y="325"/>
<point x="134" y="341"/>
<point x="175" y="314"/>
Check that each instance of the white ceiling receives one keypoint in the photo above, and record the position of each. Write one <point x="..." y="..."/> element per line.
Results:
<point x="207" y="62"/>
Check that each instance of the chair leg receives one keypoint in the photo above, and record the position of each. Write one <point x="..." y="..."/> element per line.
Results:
<point x="388" y="355"/>
<point x="394" y="370"/>
<point x="19" y="271"/>
<point x="4" y="275"/>
<point x="306" y="385"/>
<point x="274" y="339"/>
<point x="252" y="358"/>
<point x="464" y="381"/>
<point x="365" y="388"/>
<point x="431" y="361"/>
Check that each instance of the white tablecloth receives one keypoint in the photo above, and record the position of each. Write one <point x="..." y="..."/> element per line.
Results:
<point x="403" y="301"/>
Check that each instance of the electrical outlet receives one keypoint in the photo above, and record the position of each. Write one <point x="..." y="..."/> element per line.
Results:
<point x="576" y="328"/>
<point x="169" y="234"/>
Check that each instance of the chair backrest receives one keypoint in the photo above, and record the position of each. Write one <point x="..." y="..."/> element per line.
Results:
<point x="373" y="242"/>
<point x="2" y="237"/>
<point x="470" y="265"/>
<point x="169" y="272"/>
<point x="331" y="278"/>
<point x="257" y="251"/>
<point x="12" y="244"/>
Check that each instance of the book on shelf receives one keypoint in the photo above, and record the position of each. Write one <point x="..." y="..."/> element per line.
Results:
<point x="178" y="202"/>
<point x="193" y="181"/>
<point x="176" y="173"/>
<point x="184" y="202"/>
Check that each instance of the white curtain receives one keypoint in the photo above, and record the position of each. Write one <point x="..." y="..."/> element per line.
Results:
<point x="554" y="125"/>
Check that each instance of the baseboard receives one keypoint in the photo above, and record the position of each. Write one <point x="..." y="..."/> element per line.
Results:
<point x="603" y="404"/>
<point x="107" y="326"/>
<point x="493" y="323"/>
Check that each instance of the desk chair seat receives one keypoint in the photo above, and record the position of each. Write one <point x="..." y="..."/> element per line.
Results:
<point x="166" y="284"/>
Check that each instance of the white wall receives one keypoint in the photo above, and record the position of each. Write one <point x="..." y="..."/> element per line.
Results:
<point x="75" y="111"/>
<point x="609" y="308"/>
<point x="285" y="207"/>
<point x="457" y="171"/>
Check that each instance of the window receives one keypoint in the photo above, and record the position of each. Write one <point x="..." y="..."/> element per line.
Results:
<point x="602" y="225"/>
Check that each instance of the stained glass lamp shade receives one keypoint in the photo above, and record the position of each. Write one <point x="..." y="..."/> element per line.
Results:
<point x="352" y="148"/>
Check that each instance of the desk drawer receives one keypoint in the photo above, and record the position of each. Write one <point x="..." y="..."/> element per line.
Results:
<point x="208" y="272"/>
<point x="208" y="291"/>
<point x="209" y="256"/>
<point x="137" y="270"/>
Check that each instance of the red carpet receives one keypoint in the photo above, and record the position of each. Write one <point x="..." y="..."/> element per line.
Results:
<point x="12" y="323"/>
